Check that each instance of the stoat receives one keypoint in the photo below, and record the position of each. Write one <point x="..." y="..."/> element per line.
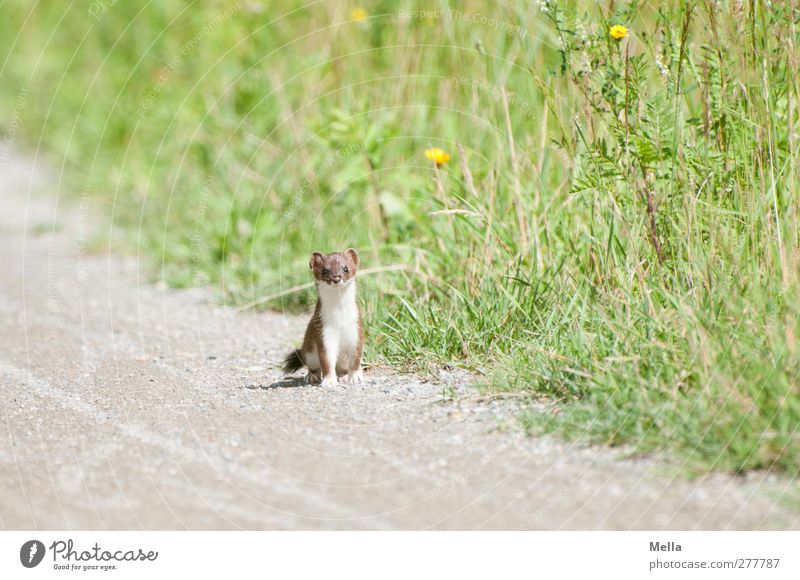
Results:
<point x="334" y="337"/>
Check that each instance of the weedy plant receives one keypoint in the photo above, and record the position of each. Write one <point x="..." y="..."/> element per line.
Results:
<point x="593" y="202"/>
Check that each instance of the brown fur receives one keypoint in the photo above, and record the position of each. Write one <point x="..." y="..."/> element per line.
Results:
<point x="328" y="270"/>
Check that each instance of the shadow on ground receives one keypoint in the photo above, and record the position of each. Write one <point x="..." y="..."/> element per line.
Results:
<point x="284" y="383"/>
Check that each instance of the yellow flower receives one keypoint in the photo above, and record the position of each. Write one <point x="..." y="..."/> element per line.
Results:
<point x="438" y="156"/>
<point x="358" y="14"/>
<point x="618" y="31"/>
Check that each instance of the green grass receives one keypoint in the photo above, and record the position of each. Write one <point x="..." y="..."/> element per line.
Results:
<point x="617" y="228"/>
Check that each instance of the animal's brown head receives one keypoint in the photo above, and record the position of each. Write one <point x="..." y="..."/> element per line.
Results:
<point x="335" y="269"/>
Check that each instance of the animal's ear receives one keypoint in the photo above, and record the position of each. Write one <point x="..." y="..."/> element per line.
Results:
<point x="353" y="255"/>
<point x="316" y="258"/>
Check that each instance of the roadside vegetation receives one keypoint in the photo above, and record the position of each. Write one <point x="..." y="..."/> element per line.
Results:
<point x="590" y="202"/>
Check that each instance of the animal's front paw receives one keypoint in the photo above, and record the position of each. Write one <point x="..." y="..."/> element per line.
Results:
<point x="330" y="381"/>
<point x="312" y="378"/>
<point x="353" y="377"/>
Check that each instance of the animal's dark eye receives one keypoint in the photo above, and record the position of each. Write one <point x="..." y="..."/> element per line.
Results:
<point x="345" y="269"/>
<point x="325" y="271"/>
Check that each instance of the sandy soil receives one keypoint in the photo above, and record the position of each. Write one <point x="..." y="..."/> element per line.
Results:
<point x="124" y="405"/>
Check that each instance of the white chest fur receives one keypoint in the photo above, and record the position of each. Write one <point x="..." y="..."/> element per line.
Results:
<point x="339" y="314"/>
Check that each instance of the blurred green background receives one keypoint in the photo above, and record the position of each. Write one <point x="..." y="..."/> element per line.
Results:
<point x="616" y="228"/>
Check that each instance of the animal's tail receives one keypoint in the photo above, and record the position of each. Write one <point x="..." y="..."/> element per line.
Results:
<point x="293" y="362"/>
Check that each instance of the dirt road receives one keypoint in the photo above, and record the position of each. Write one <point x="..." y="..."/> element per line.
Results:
<point x="128" y="406"/>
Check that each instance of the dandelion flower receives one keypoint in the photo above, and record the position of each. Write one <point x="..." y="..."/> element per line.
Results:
<point x="618" y="31"/>
<point x="358" y="14"/>
<point x="438" y="156"/>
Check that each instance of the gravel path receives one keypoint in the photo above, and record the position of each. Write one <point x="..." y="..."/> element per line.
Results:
<point x="128" y="406"/>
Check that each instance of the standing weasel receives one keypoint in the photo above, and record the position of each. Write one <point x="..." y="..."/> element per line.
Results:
<point x="334" y="337"/>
